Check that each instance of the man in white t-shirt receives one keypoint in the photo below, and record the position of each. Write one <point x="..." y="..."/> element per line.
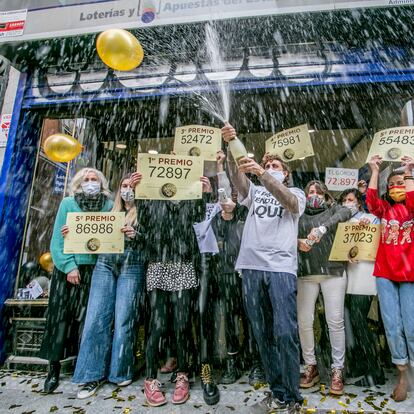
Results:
<point x="268" y="262"/>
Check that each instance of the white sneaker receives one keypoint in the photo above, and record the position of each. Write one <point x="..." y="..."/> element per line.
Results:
<point x="89" y="389"/>
<point x="124" y="383"/>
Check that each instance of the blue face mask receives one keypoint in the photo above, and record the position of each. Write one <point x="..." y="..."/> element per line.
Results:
<point x="91" y="188"/>
<point x="276" y="174"/>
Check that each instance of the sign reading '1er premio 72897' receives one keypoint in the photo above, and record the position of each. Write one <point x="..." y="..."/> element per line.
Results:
<point x="355" y="242"/>
<point x="94" y="233"/>
<point x="393" y="143"/>
<point x="169" y="177"/>
<point x="197" y="140"/>
<point x="291" y="144"/>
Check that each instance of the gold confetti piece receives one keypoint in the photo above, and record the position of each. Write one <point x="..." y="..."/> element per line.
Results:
<point x="305" y="402"/>
<point x="131" y="397"/>
<point x="127" y="410"/>
<point x="342" y="404"/>
<point x="260" y="385"/>
<point x="322" y="389"/>
<point x="348" y="401"/>
<point x="323" y="399"/>
<point x="53" y="409"/>
<point x="310" y="410"/>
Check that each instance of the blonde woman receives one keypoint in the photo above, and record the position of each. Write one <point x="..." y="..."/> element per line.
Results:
<point x="117" y="283"/>
<point x="88" y="191"/>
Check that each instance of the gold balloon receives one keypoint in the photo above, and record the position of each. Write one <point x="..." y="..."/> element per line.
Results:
<point x="46" y="262"/>
<point x="119" y="49"/>
<point x="61" y="147"/>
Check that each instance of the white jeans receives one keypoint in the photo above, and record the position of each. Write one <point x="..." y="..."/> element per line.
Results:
<point x="333" y="291"/>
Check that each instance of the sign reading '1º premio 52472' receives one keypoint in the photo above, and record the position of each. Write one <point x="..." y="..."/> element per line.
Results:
<point x="169" y="177"/>
<point x="94" y="233"/>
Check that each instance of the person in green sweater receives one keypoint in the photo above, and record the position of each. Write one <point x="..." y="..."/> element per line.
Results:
<point x="69" y="291"/>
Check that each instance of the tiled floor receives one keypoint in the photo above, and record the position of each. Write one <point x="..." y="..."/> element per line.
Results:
<point x="21" y="393"/>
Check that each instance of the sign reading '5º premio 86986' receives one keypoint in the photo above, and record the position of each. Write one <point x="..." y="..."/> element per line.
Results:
<point x="169" y="177"/>
<point x="354" y="241"/>
<point x="393" y="143"/>
<point x="291" y="144"/>
<point x="197" y="140"/>
<point x="94" y="233"/>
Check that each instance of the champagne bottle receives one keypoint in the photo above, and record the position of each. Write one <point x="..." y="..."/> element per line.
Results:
<point x="237" y="149"/>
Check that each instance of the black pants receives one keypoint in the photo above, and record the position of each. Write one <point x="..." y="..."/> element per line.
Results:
<point x="213" y="286"/>
<point x="161" y="304"/>
<point x="65" y="315"/>
<point x="362" y="353"/>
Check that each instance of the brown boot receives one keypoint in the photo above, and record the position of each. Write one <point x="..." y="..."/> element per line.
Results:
<point x="337" y="382"/>
<point x="310" y="377"/>
<point x="400" y="391"/>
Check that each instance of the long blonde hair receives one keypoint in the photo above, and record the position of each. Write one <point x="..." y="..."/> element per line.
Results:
<point x="119" y="205"/>
<point x="75" y="184"/>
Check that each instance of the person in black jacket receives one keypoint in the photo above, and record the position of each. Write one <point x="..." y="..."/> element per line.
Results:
<point x="317" y="228"/>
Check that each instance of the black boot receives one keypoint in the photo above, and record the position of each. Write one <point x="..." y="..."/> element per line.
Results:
<point x="211" y="393"/>
<point x="231" y="374"/>
<point x="52" y="380"/>
<point x="257" y="376"/>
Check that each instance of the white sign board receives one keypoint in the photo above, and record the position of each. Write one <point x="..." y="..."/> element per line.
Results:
<point x="12" y="22"/>
<point x="339" y="179"/>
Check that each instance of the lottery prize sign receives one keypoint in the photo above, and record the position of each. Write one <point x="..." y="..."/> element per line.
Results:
<point x="393" y="143"/>
<point x="339" y="179"/>
<point x="291" y="144"/>
<point x="197" y="140"/>
<point x="354" y="241"/>
<point x="169" y="177"/>
<point x="94" y="233"/>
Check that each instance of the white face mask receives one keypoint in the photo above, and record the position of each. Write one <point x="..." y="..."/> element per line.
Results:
<point x="277" y="174"/>
<point x="353" y="207"/>
<point x="91" y="188"/>
<point x="127" y="194"/>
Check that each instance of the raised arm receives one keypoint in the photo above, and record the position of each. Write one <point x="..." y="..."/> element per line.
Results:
<point x="375" y="205"/>
<point x="223" y="180"/>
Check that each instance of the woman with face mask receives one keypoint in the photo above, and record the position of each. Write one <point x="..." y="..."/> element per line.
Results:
<point x="69" y="290"/>
<point x="317" y="228"/>
<point x="362" y="356"/>
<point x="394" y="264"/>
<point x="116" y="287"/>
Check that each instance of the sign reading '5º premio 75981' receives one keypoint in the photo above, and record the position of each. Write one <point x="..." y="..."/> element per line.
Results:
<point x="94" y="233"/>
<point x="169" y="177"/>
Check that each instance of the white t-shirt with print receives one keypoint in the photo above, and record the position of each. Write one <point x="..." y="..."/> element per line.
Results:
<point x="270" y="235"/>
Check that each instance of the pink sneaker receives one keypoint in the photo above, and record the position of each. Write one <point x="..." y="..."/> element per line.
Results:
<point x="182" y="389"/>
<point x="153" y="394"/>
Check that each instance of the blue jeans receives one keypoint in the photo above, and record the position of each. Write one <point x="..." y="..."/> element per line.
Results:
<point x="270" y="302"/>
<point x="397" y="310"/>
<point x="107" y="346"/>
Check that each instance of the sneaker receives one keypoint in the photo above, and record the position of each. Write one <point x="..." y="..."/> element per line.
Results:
<point x="294" y="407"/>
<point x="211" y="393"/>
<point x="256" y="375"/>
<point x="310" y="377"/>
<point x="337" y="382"/>
<point x="182" y="389"/>
<point x="89" y="389"/>
<point x="269" y="405"/>
<point x="153" y="394"/>
<point x="124" y="383"/>
<point x="169" y="366"/>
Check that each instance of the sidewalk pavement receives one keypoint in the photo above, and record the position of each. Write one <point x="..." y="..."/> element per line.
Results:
<point x="20" y="393"/>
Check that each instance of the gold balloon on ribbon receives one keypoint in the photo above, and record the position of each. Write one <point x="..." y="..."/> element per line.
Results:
<point x="119" y="49"/>
<point x="61" y="147"/>
<point x="46" y="262"/>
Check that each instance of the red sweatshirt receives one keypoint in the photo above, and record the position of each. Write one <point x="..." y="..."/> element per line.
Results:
<point x="395" y="255"/>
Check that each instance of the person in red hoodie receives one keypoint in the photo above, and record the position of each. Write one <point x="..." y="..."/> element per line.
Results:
<point x="394" y="264"/>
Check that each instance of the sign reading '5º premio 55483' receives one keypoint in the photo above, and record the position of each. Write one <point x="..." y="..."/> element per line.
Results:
<point x="169" y="177"/>
<point x="393" y="143"/>
<point x="197" y="140"/>
<point x="291" y="144"/>
<point x="94" y="233"/>
<point x="354" y="241"/>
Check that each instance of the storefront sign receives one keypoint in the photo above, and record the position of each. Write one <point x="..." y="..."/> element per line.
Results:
<point x="339" y="179"/>
<point x="198" y="141"/>
<point x="291" y="144"/>
<point x="94" y="233"/>
<point x="12" y="22"/>
<point x="169" y="177"/>
<point x="5" y="120"/>
<point x="393" y="143"/>
<point x="355" y="242"/>
<point x="73" y="17"/>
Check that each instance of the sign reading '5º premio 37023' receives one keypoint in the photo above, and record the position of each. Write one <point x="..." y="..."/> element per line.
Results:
<point x="291" y="144"/>
<point x="169" y="177"/>
<point x="393" y="143"/>
<point x="94" y="233"/>
<point x="354" y="241"/>
<point x="197" y="141"/>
